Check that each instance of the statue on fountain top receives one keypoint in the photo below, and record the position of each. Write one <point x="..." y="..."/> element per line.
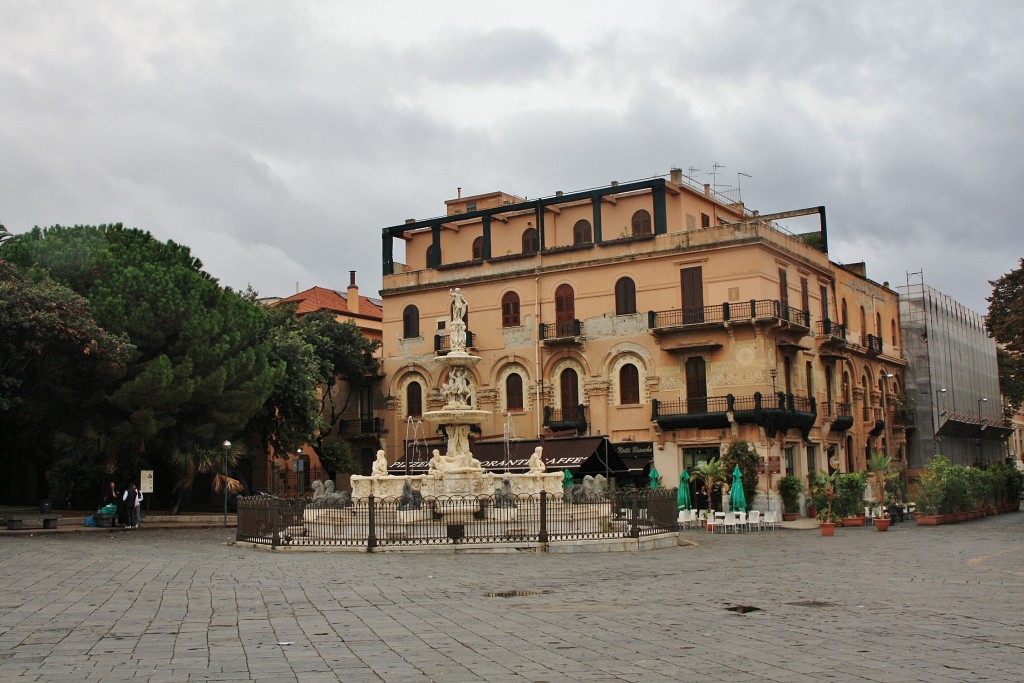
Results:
<point x="380" y="465"/>
<point x="536" y="461"/>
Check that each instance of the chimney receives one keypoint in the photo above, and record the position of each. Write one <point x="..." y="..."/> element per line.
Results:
<point x="353" y="292"/>
<point x="676" y="176"/>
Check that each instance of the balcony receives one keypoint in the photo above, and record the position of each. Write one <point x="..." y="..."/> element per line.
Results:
<point x="443" y="342"/>
<point x="871" y="344"/>
<point x="567" y="332"/>
<point x="778" y="412"/>
<point x="727" y="313"/>
<point x="832" y="332"/>
<point x="558" y="420"/>
<point x="840" y="413"/>
<point x="367" y="426"/>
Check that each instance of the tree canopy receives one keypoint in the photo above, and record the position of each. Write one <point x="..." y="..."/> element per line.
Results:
<point x="200" y="367"/>
<point x="1005" y="322"/>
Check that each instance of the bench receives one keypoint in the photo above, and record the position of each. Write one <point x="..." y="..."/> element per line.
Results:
<point x="104" y="521"/>
<point x="16" y="522"/>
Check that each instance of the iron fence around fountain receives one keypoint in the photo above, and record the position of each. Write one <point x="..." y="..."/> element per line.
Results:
<point x="471" y="520"/>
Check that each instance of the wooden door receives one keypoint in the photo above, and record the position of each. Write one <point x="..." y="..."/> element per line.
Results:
<point x="565" y="311"/>
<point x="569" y="394"/>
<point x="692" y="283"/>
<point x="696" y="385"/>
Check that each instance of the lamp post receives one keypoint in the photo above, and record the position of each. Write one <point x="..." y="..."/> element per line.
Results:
<point x="886" y="376"/>
<point x="980" y="401"/>
<point x="224" y="474"/>
<point x="938" y="414"/>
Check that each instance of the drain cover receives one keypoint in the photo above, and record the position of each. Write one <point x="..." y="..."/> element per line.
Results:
<point x="811" y="603"/>
<point x="743" y="609"/>
<point x="509" y="594"/>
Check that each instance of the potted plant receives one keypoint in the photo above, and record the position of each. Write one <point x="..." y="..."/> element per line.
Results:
<point x="710" y="474"/>
<point x="849" y="495"/>
<point x="930" y="497"/>
<point x="790" y="489"/>
<point x="826" y="516"/>
<point x="883" y="521"/>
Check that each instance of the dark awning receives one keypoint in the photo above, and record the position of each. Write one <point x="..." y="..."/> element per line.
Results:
<point x="584" y="454"/>
<point x="967" y="427"/>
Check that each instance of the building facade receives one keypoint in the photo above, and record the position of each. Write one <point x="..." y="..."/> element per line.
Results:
<point x="659" y="314"/>
<point x="952" y="380"/>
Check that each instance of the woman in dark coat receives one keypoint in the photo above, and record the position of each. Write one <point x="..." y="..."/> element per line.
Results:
<point x="112" y="496"/>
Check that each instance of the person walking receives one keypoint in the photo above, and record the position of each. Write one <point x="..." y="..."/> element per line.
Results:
<point x="132" y="505"/>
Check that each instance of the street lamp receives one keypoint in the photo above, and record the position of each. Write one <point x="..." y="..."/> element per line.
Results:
<point x="980" y="401"/>
<point x="886" y="376"/>
<point x="224" y="473"/>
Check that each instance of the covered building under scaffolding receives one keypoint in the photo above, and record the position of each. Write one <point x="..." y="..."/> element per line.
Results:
<point x="952" y="381"/>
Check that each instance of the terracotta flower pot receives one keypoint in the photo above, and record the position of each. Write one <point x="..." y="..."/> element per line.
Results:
<point x="926" y="520"/>
<point x="853" y="521"/>
<point x="790" y="516"/>
<point x="882" y="523"/>
<point x="827" y="528"/>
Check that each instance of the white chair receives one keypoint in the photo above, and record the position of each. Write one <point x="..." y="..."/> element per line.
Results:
<point x="730" y="522"/>
<point x="709" y="522"/>
<point x="741" y="521"/>
<point x="754" y="520"/>
<point x="685" y="519"/>
<point x="771" y="519"/>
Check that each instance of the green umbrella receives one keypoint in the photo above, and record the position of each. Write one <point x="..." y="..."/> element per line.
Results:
<point x="654" y="477"/>
<point x="737" y="501"/>
<point x="566" y="479"/>
<point x="683" y="496"/>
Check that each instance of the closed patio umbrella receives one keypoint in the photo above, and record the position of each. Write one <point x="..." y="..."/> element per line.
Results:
<point x="683" y="496"/>
<point x="737" y="501"/>
<point x="566" y="479"/>
<point x="654" y="477"/>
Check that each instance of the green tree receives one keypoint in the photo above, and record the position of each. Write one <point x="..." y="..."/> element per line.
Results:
<point x="743" y="454"/>
<point x="54" y="362"/>
<point x="1005" y="322"/>
<point x="202" y="367"/>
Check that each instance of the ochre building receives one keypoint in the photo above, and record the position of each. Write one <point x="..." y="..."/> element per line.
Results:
<point x="656" y="313"/>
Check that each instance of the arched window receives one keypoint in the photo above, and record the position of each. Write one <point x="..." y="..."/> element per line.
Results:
<point x="433" y="256"/>
<point x="530" y="245"/>
<point x="414" y="399"/>
<point x="510" y="310"/>
<point x="625" y="296"/>
<point x="514" y="392"/>
<point x="641" y="223"/>
<point x="569" y="393"/>
<point x="843" y="320"/>
<point x="846" y="387"/>
<point x="878" y="326"/>
<point x="581" y="232"/>
<point x="478" y="248"/>
<point x="410" y="322"/>
<point x="565" y="311"/>
<point x="892" y="327"/>
<point x="629" y="385"/>
<point x="863" y="323"/>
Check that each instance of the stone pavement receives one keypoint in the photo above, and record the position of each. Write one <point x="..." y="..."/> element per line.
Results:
<point x="167" y="605"/>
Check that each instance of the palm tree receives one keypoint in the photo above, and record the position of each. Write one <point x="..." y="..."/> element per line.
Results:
<point x="198" y="460"/>
<point x="710" y="474"/>
<point x="879" y="465"/>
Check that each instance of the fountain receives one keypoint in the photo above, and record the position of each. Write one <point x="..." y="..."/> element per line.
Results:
<point x="457" y="472"/>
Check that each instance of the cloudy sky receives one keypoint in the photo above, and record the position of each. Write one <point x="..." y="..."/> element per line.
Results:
<point x="277" y="139"/>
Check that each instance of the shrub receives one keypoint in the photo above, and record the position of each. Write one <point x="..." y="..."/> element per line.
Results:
<point x="850" y="494"/>
<point x="790" y="488"/>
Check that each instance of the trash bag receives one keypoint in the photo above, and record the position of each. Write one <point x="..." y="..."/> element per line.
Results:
<point x="90" y="521"/>
<point x="109" y="509"/>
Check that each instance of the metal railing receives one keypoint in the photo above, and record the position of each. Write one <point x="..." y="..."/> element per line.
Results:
<point x="443" y="342"/>
<point x="566" y="329"/>
<point x="727" y="403"/>
<point x="728" y="311"/>
<point x="575" y="514"/>
<point x="830" y="328"/>
<point x="872" y="343"/>
<point x="365" y="425"/>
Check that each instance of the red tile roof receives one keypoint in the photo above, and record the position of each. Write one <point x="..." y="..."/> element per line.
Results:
<point x="323" y="299"/>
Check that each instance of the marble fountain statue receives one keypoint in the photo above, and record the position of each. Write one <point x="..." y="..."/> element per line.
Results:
<point x="455" y="483"/>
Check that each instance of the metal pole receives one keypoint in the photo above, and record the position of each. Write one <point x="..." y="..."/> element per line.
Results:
<point x="224" y="481"/>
